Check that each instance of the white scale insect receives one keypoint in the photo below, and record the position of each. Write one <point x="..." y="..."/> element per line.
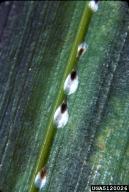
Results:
<point x="40" y="179"/>
<point x="71" y="82"/>
<point x="61" y="115"/>
<point x="93" y="5"/>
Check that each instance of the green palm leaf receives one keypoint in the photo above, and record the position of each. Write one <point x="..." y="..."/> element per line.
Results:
<point x="38" y="50"/>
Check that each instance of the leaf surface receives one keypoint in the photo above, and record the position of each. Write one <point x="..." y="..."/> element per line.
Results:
<point x="36" y="43"/>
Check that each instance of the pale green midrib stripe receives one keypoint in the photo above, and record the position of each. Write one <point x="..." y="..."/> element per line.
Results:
<point x="49" y="135"/>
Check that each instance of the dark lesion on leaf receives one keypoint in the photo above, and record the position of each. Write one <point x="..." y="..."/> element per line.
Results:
<point x="64" y="106"/>
<point x="73" y="74"/>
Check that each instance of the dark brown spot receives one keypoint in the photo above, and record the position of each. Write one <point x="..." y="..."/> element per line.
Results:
<point x="96" y="1"/>
<point x="43" y="172"/>
<point x="80" y="52"/>
<point x="73" y="74"/>
<point x="64" y="106"/>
